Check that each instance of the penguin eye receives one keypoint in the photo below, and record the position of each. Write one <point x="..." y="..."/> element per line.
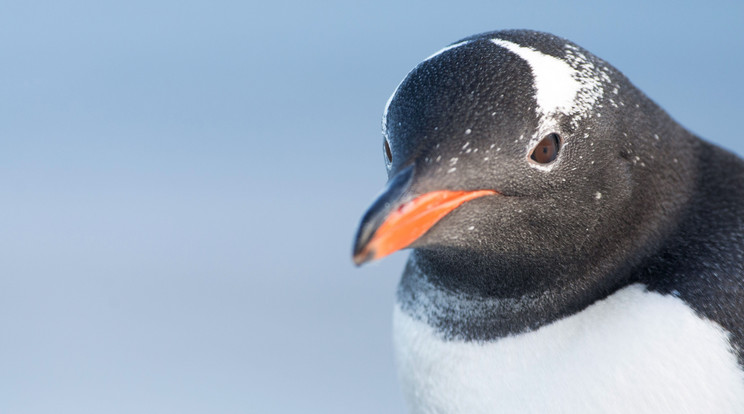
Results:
<point x="547" y="149"/>
<point x="388" y="152"/>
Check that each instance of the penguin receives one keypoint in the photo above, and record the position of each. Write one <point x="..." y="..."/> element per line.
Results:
<point x="574" y="249"/>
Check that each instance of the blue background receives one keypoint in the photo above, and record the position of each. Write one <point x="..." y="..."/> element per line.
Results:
<point x="180" y="182"/>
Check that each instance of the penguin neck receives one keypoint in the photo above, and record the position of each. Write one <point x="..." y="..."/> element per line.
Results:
<point x="486" y="298"/>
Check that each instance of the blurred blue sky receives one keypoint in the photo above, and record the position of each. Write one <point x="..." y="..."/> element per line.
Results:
<point x="180" y="183"/>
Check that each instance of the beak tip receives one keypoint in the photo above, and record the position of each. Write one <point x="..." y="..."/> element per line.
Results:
<point x="362" y="257"/>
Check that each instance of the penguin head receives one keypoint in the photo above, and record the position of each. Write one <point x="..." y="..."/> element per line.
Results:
<point x="505" y="144"/>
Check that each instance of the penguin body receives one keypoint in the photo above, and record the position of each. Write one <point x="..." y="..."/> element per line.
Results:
<point x="632" y="352"/>
<point x="575" y="249"/>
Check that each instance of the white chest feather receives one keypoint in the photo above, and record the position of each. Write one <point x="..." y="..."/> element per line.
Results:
<point x="634" y="352"/>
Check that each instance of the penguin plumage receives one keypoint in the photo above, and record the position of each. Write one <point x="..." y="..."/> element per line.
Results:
<point x="574" y="248"/>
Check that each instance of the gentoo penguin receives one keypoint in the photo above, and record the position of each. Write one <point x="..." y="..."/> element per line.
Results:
<point x="575" y="250"/>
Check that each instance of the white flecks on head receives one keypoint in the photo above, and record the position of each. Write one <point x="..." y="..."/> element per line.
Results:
<point x="451" y="170"/>
<point x="466" y="144"/>
<point x="571" y="86"/>
<point x="556" y="83"/>
<point x="468" y="131"/>
<point x="453" y="160"/>
<point x="598" y="195"/>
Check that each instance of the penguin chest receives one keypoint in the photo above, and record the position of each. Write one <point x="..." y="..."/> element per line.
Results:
<point x="635" y="352"/>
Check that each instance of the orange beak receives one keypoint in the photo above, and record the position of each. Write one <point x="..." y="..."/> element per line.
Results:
<point x="390" y="225"/>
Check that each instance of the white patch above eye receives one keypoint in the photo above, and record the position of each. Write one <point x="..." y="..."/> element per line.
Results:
<point x="570" y="86"/>
<point x="556" y="83"/>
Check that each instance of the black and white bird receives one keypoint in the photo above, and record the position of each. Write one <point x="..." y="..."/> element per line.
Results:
<point x="574" y="248"/>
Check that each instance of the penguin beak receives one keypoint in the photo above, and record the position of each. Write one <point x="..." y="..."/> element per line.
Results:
<point x="397" y="218"/>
